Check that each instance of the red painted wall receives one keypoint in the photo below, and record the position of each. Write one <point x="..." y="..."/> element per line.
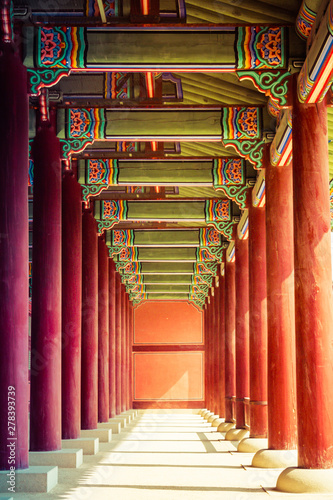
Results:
<point x="158" y="322"/>
<point x="168" y="355"/>
<point x="168" y="375"/>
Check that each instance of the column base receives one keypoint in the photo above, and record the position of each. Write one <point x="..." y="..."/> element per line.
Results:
<point x="212" y="417"/>
<point x="128" y="418"/>
<point x="217" y="422"/>
<point x="133" y="413"/>
<point x="275" y="459"/>
<point x="207" y="414"/>
<point x="202" y="411"/>
<point x="90" y="446"/>
<point x="225" y="426"/>
<point x="31" y="480"/>
<point x="114" y="426"/>
<point x="236" y="434"/>
<point x="104" y="435"/>
<point x="252" y="445"/>
<point x="297" y="480"/>
<point x="68" y="458"/>
<point x="119" y="419"/>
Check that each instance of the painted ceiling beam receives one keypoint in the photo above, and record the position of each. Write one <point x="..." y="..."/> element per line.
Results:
<point x="167" y="288"/>
<point x="163" y="254"/>
<point x="306" y="17"/>
<point x="160" y="254"/>
<point x="316" y="75"/>
<point x="220" y="173"/>
<point x="110" y="212"/>
<point x="161" y="124"/>
<point x="164" y="238"/>
<point x="158" y="48"/>
<point x="161" y="279"/>
<point x="166" y="268"/>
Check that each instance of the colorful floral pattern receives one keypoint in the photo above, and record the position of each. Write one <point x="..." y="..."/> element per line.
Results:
<point x="241" y="123"/>
<point x="228" y="172"/>
<point x="62" y="47"/>
<point x="260" y="47"/>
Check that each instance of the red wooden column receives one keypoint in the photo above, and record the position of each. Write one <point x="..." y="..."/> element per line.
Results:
<point x="128" y="402"/>
<point x="123" y="348"/>
<point x="313" y="302"/>
<point x="282" y="427"/>
<point x="118" y="344"/>
<point x="14" y="129"/>
<point x="242" y="330"/>
<point x="216" y="339"/>
<point x="221" y="381"/>
<point x="89" y="361"/>
<point x="206" y="354"/>
<point x="313" y="286"/>
<point x="211" y="333"/>
<point x="112" y="339"/>
<point x="45" y="401"/>
<point x="258" y="322"/>
<point x="131" y="340"/>
<point x="230" y="341"/>
<point x="71" y="306"/>
<point x="209" y="352"/>
<point x="103" y="332"/>
<point x="125" y="333"/>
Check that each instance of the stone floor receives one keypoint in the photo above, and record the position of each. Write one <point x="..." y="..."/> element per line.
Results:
<point x="164" y="456"/>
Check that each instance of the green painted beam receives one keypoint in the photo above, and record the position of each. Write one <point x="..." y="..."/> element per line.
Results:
<point x="167" y="288"/>
<point x="169" y="279"/>
<point x="164" y="254"/>
<point x="165" y="172"/>
<point x="159" y="210"/>
<point x="161" y="238"/>
<point x="111" y="46"/>
<point x="167" y="238"/>
<point x="167" y="296"/>
<point x="163" y="123"/>
<point x="162" y="210"/>
<point x="167" y="268"/>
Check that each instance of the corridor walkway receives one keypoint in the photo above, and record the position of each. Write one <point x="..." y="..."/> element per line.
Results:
<point x="162" y="456"/>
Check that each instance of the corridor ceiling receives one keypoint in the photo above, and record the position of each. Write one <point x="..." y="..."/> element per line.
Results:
<point x="165" y="185"/>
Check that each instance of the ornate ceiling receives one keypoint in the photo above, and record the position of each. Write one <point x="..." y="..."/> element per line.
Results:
<point x="161" y="120"/>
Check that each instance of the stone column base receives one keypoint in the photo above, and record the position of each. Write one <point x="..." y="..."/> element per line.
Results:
<point x="104" y="435"/>
<point x="127" y="417"/>
<point x="225" y="426"/>
<point x="275" y="459"/>
<point x="207" y="414"/>
<point x="252" y="445"/>
<point x="297" y="480"/>
<point x="212" y="417"/>
<point x="67" y="458"/>
<point x="120" y="419"/>
<point x="237" y="434"/>
<point x="32" y="480"/>
<point x="90" y="446"/>
<point x="203" y="410"/>
<point x="133" y="413"/>
<point x="217" y="421"/>
<point x="114" y="426"/>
